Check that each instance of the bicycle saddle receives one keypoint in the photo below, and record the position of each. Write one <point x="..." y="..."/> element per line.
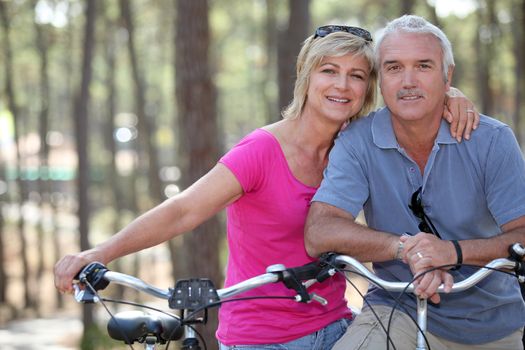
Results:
<point x="131" y="326"/>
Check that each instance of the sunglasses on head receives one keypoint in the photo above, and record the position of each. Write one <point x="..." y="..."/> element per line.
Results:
<point x="323" y="31"/>
<point x="425" y="224"/>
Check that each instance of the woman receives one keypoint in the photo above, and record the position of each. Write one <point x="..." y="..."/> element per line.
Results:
<point x="266" y="182"/>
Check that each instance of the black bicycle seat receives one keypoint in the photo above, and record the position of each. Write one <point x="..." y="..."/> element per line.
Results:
<point x="132" y="326"/>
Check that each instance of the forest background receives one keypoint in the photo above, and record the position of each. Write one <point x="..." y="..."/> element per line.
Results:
<point x="109" y="107"/>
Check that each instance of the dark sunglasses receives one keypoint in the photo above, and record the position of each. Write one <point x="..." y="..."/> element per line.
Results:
<point x="425" y="224"/>
<point x="323" y="31"/>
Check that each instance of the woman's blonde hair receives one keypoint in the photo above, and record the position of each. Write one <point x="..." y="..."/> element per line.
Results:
<point x="334" y="45"/>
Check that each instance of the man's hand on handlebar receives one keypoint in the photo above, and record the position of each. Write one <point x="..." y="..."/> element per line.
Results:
<point x="423" y="252"/>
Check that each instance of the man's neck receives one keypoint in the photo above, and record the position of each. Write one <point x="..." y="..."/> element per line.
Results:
<point x="417" y="138"/>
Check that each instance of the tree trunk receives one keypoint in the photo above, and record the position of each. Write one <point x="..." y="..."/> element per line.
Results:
<point x="272" y="109"/>
<point x="81" y="131"/>
<point x="13" y="107"/>
<point x="196" y="98"/>
<point x="43" y="185"/>
<point x="289" y="46"/>
<point x="3" y="273"/>
<point x="406" y="7"/>
<point x="432" y="14"/>
<point x="117" y="198"/>
<point x="485" y="52"/>
<point x="145" y="123"/>
<point x="518" y="30"/>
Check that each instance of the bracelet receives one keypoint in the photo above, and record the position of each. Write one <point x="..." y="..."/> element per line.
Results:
<point x="459" y="254"/>
<point x="400" y="247"/>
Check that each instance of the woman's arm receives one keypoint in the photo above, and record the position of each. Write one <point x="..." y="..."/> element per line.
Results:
<point x="179" y="214"/>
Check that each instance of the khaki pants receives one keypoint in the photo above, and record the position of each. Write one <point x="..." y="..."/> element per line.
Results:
<point x="365" y="333"/>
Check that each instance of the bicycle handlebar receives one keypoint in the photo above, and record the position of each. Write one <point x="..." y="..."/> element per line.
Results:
<point x="343" y="261"/>
<point x="298" y="278"/>
<point x="292" y="277"/>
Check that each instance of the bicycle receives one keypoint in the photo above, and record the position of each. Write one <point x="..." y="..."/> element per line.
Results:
<point x="189" y="296"/>
<point x="196" y="295"/>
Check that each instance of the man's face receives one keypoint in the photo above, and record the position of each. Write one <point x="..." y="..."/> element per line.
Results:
<point x="411" y="72"/>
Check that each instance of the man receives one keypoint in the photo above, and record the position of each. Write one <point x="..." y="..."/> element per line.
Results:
<point x="408" y="174"/>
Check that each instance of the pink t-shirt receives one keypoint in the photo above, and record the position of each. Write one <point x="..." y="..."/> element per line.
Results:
<point x="266" y="226"/>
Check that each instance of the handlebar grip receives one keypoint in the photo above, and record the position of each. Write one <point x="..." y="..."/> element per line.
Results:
<point x="93" y="274"/>
<point x="516" y="252"/>
<point x="306" y="272"/>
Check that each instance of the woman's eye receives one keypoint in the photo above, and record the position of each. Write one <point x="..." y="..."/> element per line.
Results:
<point x="328" y="71"/>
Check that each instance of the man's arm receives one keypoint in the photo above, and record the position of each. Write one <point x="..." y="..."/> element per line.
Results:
<point x="481" y="251"/>
<point x="330" y="229"/>
<point x="474" y="251"/>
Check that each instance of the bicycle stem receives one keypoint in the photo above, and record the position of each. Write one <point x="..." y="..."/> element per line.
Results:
<point x="422" y="323"/>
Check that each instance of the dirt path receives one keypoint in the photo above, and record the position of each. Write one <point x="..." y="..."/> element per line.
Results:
<point x="60" y="333"/>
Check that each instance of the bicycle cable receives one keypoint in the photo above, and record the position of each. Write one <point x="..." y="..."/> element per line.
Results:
<point x="385" y="329"/>
<point x="218" y="303"/>
<point x="404" y="292"/>
<point x="86" y="282"/>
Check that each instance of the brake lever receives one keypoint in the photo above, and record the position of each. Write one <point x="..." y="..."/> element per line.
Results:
<point x="84" y="296"/>
<point x="311" y="297"/>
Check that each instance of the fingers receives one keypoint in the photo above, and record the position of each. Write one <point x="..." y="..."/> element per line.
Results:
<point x="449" y="116"/>
<point x="472" y="121"/>
<point x="448" y="281"/>
<point x="436" y="299"/>
<point x="428" y="284"/>
<point x="66" y="270"/>
<point x="62" y="281"/>
<point x="462" y="116"/>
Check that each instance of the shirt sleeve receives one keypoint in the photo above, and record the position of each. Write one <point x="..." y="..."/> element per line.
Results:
<point x="245" y="161"/>
<point x="345" y="184"/>
<point x="505" y="177"/>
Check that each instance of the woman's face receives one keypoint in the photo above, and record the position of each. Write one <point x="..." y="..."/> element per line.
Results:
<point x="338" y="87"/>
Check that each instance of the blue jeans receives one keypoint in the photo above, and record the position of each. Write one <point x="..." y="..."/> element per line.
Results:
<point x="323" y="339"/>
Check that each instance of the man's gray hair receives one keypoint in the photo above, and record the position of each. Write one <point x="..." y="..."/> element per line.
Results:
<point x="419" y="25"/>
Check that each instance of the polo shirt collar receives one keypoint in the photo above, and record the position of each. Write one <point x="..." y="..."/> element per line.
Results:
<point x="384" y="137"/>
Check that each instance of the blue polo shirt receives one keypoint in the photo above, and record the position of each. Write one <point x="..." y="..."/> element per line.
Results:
<point x="469" y="190"/>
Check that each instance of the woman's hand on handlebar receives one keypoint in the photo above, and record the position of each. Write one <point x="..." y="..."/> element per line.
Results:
<point x="69" y="266"/>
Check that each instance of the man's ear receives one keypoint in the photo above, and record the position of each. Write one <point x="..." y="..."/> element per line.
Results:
<point x="450" y="73"/>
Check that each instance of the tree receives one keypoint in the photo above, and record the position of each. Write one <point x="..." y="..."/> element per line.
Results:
<point x="81" y="132"/>
<point x="485" y="47"/>
<point x="17" y="117"/>
<point x="406" y="7"/>
<point x="42" y="42"/>
<point x="3" y="273"/>
<point x="518" y="26"/>
<point x="289" y="46"/>
<point x="196" y="98"/>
